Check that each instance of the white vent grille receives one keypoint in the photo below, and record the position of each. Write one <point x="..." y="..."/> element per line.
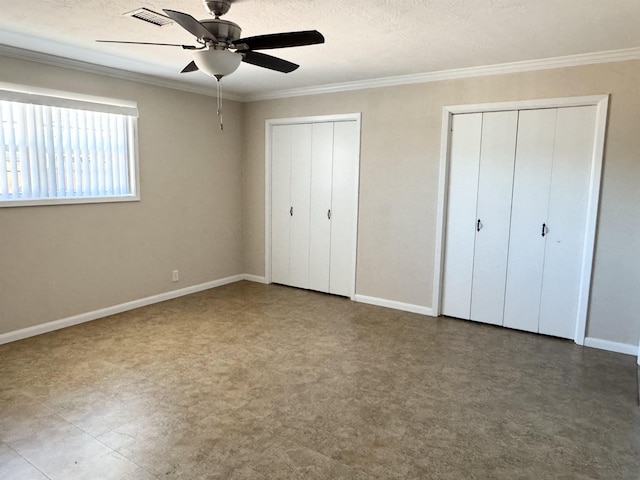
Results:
<point x="149" y="16"/>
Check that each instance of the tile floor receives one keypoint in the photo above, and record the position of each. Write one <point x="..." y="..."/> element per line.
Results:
<point x="250" y="381"/>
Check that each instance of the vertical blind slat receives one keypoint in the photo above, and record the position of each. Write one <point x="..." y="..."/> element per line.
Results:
<point x="111" y="190"/>
<point x="75" y="149"/>
<point x="58" y="153"/>
<point x="93" y="154"/>
<point x="84" y="154"/>
<point x="106" y="145"/>
<point x="52" y="177"/>
<point x="65" y="130"/>
<point x="117" y="163"/>
<point x="130" y="148"/>
<point x="115" y="158"/>
<point x="41" y="151"/>
<point x="122" y="156"/>
<point x="4" y="179"/>
<point x="13" y="158"/>
<point x="99" y="141"/>
<point x="31" y="154"/>
<point x="21" y="150"/>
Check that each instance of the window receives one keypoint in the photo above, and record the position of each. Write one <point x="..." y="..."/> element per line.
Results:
<point x="57" y="147"/>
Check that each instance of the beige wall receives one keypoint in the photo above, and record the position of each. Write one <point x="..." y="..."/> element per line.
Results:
<point x="202" y="208"/>
<point x="399" y="172"/>
<point x="59" y="261"/>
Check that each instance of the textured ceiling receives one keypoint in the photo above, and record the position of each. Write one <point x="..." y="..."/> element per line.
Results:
<point x="365" y="39"/>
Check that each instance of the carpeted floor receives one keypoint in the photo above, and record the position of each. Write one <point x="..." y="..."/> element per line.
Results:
<point x="249" y="381"/>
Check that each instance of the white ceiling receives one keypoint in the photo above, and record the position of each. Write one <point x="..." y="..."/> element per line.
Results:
<point x="365" y="39"/>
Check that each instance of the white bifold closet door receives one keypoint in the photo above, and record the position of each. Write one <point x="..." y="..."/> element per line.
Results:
<point x="313" y="208"/>
<point x="344" y="213"/>
<point x="529" y="208"/>
<point x="493" y="211"/>
<point x="464" y="165"/>
<point x="321" y="189"/>
<point x="565" y="239"/>
<point x="523" y="178"/>
<point x="546" y="245"/>
<point x="290" y="227"/>
<point x="478" y="215"/>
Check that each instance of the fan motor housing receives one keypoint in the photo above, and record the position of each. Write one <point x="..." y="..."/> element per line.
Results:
<point x="224" y="30"/>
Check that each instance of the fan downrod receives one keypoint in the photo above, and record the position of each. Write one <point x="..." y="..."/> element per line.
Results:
<point x="217" y="8"/>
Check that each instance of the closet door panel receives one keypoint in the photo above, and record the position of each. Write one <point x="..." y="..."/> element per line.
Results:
<point x="344" y="212"/>
<point x="495" y="184"/>
<point x="280" y="202"/>
<point x="301" y="203"/>
<point x="531" y="183"/>
<point x="464" y="162"/>
<point x="320" y="224"/>
<point x="572" y="165"/>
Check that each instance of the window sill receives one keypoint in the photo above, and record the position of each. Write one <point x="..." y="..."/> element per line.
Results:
<point x="68" y="201"/>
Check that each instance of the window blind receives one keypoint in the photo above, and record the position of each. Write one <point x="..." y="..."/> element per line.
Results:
<point x="64" y="149"/>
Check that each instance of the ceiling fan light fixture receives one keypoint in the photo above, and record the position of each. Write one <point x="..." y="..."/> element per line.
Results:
<point x="217" y="62"/>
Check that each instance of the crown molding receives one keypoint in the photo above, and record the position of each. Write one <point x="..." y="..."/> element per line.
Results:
<point x="503" y="68"/>
<point x="78" y="65"/>
<point x="458" y="73"/>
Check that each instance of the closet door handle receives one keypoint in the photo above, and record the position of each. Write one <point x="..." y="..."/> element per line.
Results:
<point x="478" y="225"/>
<point x="329" y="214"/>
<point x="291" y="211"/>
<point x="544" y="229"/>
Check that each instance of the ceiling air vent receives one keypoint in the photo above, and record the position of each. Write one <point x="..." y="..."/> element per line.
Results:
<point x="149" y="16"/>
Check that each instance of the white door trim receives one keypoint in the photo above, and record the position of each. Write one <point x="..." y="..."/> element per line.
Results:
<point x="602" y="103"/>
<point x="269" y="124"/>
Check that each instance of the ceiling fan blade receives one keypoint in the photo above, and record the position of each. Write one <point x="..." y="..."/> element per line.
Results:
<point x="190" y="24"/>
<point x="192" y="67"/>
<point x="268" y="61"/>
<point x="280" y="40"/>
<point x="185" y="47"/>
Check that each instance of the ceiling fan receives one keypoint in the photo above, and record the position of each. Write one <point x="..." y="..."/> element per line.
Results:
<point x="220" y="49"/>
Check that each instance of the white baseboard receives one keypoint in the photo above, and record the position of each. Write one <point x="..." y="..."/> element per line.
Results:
<point x="105" y="312"/>
<point x="611" y="346"/>
<point x="254" y="278"/>
<point x="405" y="307"/>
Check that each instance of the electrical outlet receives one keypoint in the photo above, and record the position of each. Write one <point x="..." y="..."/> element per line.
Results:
<point x="175" y="275"/>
